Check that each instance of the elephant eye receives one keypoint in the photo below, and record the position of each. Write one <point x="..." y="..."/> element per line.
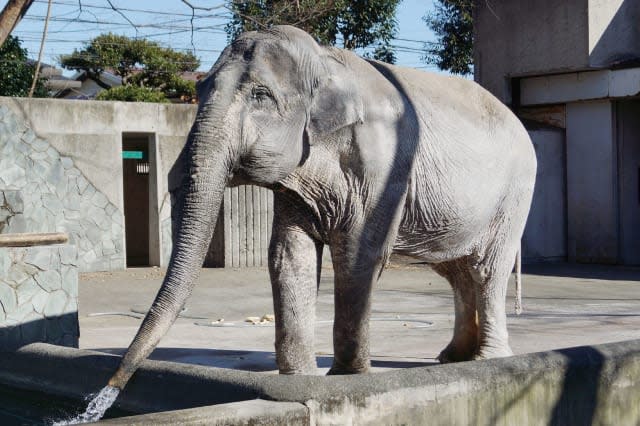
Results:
<point x="261" y="94"/>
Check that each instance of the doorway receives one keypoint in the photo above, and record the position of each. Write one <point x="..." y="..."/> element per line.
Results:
<point x="136" y="167"/>
<point x="628" y="135"/>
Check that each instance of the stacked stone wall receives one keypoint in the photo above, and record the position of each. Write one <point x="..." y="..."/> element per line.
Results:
<point x="56" y="197"/>
<point x="11" y="212"/>
<point x="38" y="296"/>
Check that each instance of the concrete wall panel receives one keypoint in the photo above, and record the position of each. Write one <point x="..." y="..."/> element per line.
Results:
<point x="591" y="183"/>
<point x="545" y="236"/>
<point x="527" y="37"/>
<point x="614" y="32"/>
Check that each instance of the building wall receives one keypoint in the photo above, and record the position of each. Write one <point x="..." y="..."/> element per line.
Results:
<point x="592" y="195"/>
<point x="515" y="38"/>
<point x="56" y="194"/>
<point x="614" y="32"/>
<point x="545" y="236"/>
<point x="65" y="159"/>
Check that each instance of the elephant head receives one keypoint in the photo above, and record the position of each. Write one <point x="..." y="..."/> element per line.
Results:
<point x="270" y="96"/>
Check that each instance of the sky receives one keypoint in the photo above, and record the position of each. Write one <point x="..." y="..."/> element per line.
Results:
<point x="169" y="23"/>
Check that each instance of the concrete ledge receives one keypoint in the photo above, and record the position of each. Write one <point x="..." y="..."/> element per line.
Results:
<point x="579" y="86"/>
<point x="584" y="385"/>
<point x="254" y="412"/>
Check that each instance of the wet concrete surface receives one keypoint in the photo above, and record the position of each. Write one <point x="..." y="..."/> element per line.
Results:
<point x="412" y="318"/>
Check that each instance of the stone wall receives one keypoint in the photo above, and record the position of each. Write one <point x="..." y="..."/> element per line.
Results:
<point x="38" y="296"/>
<point x="57" y="196"/>
<point x="11" y="212"/>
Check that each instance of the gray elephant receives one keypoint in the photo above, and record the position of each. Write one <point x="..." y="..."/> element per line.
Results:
<point x="369" y="159"/>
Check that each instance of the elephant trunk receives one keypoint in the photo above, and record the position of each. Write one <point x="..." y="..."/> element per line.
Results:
<point x="208" y="169"/>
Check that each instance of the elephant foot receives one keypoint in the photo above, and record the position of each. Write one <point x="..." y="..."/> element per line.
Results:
<point x="457" y="353"/>
<point x="338" y="369"/>
<point x="462" y="347"/>
<point x="311" y="371"/>
<point x="297" y="366"/>
<point x="486" y="352"/>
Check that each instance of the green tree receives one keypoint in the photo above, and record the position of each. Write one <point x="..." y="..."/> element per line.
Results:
<point x="132" y="93"/>
<point x="350" y="24"/>
<point x="139" y="62"/>
<point x="16" y="72"/>
<point x="452" y="21"/>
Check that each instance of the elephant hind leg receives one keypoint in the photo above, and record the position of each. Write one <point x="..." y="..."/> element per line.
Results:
<point x="464" y="344"/>
<point x="491" y="276"/>
<point x="490" y="269"/>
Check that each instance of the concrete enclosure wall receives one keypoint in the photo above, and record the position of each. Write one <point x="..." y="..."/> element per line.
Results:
<point x="38" y="296"/>
<point x="64" y="160"/>
<point x="65" y="157"/>
<point x="589" y="385"/>
<point x="247" y="215"/>
<point x="56" y="195"/>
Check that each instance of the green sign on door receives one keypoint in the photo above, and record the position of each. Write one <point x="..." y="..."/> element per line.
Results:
<point x="132" y="155"/>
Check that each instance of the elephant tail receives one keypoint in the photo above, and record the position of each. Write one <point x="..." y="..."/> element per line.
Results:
<point x="519" y="281"/>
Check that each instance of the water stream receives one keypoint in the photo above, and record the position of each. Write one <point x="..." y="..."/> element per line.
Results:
<point x="96" y="408"/>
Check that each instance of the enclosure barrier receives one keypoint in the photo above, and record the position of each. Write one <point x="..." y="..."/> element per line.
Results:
<point x="38" y="290"/>
<point x="584" y="385"/>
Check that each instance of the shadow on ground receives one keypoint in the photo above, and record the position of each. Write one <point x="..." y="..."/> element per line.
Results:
<point x="596" y="272"/>
<point x="257" y="361"/>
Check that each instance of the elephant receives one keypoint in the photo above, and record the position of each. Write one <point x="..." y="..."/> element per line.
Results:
<point x="364" y="157"/>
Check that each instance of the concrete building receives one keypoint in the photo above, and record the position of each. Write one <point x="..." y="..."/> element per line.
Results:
<point x="102" y="172"/>
<point x="571" y="71"/>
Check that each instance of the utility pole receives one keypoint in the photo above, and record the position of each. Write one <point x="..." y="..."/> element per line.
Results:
<point x="11" y="15"/>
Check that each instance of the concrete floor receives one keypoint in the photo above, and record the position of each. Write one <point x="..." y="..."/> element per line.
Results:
<point x="412" y="318"/>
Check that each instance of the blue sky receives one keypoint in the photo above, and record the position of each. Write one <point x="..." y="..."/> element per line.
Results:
<point x="168" y="22"/>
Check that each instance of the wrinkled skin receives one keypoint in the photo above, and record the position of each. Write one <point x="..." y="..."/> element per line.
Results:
<point x="367" y="158"/>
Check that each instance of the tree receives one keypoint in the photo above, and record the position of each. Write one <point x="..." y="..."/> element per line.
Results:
<point x="452" y="21"/>
<point x="138" y="62"/>
<point x="12" y="13"/>
<point x="353" y="24"/>
<point x="16" y="72"/>
<point x="132" y="93"/>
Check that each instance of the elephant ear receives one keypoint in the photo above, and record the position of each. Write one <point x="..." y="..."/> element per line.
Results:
<point x="335" y="105"/>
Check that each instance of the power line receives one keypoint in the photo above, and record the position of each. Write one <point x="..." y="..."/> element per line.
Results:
<point x="75" y="16"/>
<point x="124" y="9"/>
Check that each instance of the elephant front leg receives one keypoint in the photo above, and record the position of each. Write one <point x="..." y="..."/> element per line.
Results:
<point x="294" y="267"/>
<point x="354" y="279"/>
